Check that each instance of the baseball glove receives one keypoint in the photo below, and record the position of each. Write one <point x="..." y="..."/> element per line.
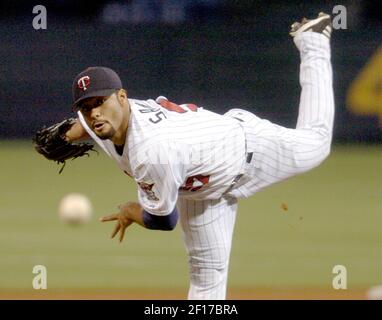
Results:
<point x="51" y="143"/>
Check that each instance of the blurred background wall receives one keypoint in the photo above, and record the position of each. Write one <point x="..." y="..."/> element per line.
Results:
<point x="215" y="53"/>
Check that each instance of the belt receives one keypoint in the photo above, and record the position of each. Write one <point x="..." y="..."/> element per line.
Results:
<point x="248" y="158"/>
<point x="235" y="180"/>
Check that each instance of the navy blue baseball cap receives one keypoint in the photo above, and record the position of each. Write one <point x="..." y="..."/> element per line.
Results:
<point x="95" y="82"/>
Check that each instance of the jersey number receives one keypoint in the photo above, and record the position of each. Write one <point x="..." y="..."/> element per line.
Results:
<point x="171" y="106"/>
<point x="159" y="116"/>
<point x="194" y="183"/>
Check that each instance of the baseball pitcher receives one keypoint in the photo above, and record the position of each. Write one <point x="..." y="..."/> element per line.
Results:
<point x="191" y="164"/>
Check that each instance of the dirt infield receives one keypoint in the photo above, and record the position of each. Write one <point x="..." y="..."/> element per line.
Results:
<point x="177" y="294"/>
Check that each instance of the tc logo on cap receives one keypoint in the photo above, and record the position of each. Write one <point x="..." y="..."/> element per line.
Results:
<point x="83" y="83"/>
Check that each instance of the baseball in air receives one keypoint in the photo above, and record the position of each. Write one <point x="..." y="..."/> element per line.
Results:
<point x="75" y="208"/>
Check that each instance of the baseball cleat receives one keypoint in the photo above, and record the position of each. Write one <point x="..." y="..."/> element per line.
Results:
<point x="322" y="24"/>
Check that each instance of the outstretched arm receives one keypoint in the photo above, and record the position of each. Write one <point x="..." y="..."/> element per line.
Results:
<point x="133" y="212"/>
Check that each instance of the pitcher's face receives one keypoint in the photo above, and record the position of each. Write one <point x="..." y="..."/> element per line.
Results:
<point x="103" y="115"/>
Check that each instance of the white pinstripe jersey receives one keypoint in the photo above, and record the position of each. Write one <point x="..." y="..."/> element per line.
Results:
<point x="173" y="150"/>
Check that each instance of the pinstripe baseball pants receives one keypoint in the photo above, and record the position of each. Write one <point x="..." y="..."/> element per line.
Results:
<point x="278" y="153"/>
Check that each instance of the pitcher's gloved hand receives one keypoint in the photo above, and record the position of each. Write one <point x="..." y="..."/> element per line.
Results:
<point x="52" y="144"/>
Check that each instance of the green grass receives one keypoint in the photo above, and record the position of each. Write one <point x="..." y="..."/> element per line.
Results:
<point x="334" y="217"/>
